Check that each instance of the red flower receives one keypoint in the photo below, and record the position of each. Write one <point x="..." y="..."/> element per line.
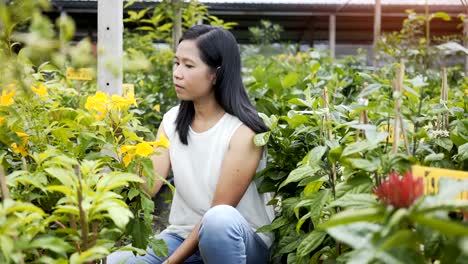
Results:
<point x="400" y="192"/>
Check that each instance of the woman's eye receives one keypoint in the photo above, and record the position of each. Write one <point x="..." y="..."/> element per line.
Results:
<point x="189" y="66"/>
<point x="176" y="63"/>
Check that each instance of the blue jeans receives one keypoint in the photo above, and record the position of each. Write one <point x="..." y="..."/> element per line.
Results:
<point x="224" y="237"/>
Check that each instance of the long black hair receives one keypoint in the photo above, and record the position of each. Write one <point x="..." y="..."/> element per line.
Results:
<point x="219" y="50"/>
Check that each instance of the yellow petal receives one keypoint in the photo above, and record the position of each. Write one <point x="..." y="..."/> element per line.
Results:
<point x="157" y="108"/>
<point x="120" y="102"/>
<point x="144" y="149"/>
<point x="7" y="98"/>
<point x="162" y="142"/>
<point x="98" y="102"/>
<point x="41" y="90"/>
<point x="127" y="159"/>
<point x="19" y="149"/>
<point x="21" y="134"/>
<point x="126" y="148"/>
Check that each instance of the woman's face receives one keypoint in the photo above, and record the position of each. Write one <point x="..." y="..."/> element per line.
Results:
<point x="193" y="79"/>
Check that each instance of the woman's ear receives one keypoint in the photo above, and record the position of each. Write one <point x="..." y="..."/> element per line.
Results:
<point x="215" y="75"/>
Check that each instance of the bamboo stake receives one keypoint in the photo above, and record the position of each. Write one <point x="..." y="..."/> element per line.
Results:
<point x="3" y="183"/>
<point x="363" y="117"/>
<point x="442" y="119"/>
<point x="326" y="105"/>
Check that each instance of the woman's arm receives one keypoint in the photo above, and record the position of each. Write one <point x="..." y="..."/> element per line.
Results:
<point x="239" y="166"/>
<point x="161" y="164"/>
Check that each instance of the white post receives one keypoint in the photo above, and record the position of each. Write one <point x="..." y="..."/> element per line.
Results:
<point x="332" y="35"/>
<point x="110" y="46"/>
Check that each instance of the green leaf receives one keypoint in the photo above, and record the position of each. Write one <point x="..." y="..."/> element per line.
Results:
<point x="462" y="152"/>
<point x="446" y="227"/>
<point x="133" y="193"/>
<point x="299" y="174"/>
<point x="258" y="73"/>
<point x="359" y="200"/>
<point x="261" y="139"/>
<point x="370" y="89"/>
<point x="277" y="223"/>
<point x="65" y="177"/>
<point x="356" y="184"/>
<point x="316" y="154"/>
<point x="310" y="242"/>
<point x="139" y="231"/>
<point x="94" y="253"/>
<point x="54" y="244"/>
<point x="159" y="247"/>
<point x="315" y="203"/>
<point x="365" y="164"/>
<point x="61" y="188"/>
<point x="274" y="84"/>
<point x="445" y="143"/>
<point x="301" y="221"/>
<point x="357" y="147"/>
<point x="312" y="187"/>
<point x="402" y="238"/>
<point x="288" y="244"/>
<point x="434" y="156"/>
<point x="290" y="80"/>
<point x="353" y="215"/>
<point x="120" y="216"/>
<point x="356" y="235"/>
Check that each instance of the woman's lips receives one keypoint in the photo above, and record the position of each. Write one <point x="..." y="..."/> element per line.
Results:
<point x="178" y="88"/>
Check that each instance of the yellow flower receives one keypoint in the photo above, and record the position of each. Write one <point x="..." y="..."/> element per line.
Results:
<point x="126" y="148"/>
<point x="7" y="98"/>
<point x="19" y="149"/>
<point x="161" y="142"/>
<point x="157" y="108"/>
<point x="120" y="102"/>
<point x="2" y="120"/>
<point x="22" y="135"/>
<point x="98" y="102"/>
<point x="144" y="149"/>
<point x="40" y="90"/>
<point x="127" y="159"/>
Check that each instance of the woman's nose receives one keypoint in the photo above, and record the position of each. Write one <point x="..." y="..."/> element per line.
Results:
<point x="176" y="72"/>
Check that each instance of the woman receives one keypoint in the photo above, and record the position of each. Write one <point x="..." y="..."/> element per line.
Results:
<point x="216" y="207"/>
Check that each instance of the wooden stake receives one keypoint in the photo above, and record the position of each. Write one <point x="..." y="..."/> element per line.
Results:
<point x="377" y="28"/>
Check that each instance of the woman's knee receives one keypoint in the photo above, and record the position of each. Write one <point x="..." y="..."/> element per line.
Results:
<point x="219" y="219"/>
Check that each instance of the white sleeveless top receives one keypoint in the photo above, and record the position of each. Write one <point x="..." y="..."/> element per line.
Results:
<point x="196" y="169"/>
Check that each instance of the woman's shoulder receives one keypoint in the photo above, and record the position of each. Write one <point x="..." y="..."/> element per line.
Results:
<point x="172" y="112"/>
<point x="169" y="120"/>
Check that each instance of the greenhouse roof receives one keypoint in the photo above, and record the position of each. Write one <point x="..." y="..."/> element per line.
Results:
<point x="337" y="2"/>
<point x="303" y="21"/>
<point x="316" y="2"/>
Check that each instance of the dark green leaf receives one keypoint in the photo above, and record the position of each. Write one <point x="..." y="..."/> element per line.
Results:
<point x="299" y="174"/>
<point x="353" y="215"/>
<point x="446" y="227"/>
<point x="310" y="242"/>
<point x="359" y="200"/>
